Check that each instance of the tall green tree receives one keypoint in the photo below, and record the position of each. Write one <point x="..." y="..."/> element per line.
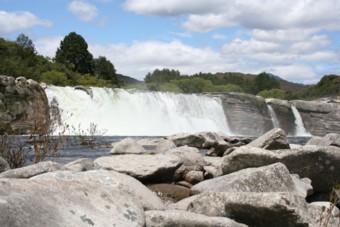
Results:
<point x="264" y="81"/>
<point x="73" y="51"/>
<point x="105" y="70"/>
<point x="26" y="44"/>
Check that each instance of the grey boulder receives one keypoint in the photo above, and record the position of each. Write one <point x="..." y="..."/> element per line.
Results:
<point x="79" y="165"/>
<point x="272" y="140"/>
<point x="32" y="170"/>
<point x="3" y="165"/>
<point x="127" y="146"/>
<point x="331" y="139"/>
<point x="146" y="168"/>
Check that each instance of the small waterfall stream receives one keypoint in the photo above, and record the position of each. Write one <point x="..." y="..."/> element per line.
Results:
<point x="273" y="116"/>
<point x="300" y="128"/>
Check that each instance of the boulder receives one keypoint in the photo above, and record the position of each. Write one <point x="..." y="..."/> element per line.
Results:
<point x="320" y="164"/>
<point x="63" y="203"/>
<point x="32" y="170"/>
<point x="112" y="180"/>
<point x="214" y="140"/>
<point x="190" y="156"/>
<point x="165" y="145"/>
<point x="191" y="140"/>
<point x="169" y="218"/>
<point x="3" y="165"/>
<point x="271" y="178"/>
<point x="182" y="204"/>
<point x="174" y="192"/>
<point x="194" y="177"/>
<point x="272" y="140"/>
<point x="146" y="168"/>
<point x="331" y="139"/>
<point x="323" y="214"/>
<point x="149" y="144"/>
<point x="256" y="209"/>
<point x="83" y="164"/>
<point x="128" y="146"/>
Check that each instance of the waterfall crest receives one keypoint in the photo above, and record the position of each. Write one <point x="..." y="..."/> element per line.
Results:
<point x="137" y="113"/>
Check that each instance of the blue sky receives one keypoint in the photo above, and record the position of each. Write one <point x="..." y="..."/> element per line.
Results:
<point x="298" y="40"/>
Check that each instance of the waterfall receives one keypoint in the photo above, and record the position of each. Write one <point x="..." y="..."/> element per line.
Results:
<point x="136" y="113"/>
<point x="273" y="116"/>
<point x="300" y="128"/>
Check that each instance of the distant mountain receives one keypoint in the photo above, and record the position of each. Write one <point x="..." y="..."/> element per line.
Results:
<point x="127" y="80"/>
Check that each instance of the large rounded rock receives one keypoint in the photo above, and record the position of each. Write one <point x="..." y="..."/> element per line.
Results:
<point x="190" y="156"/>
<point x="320" y="164"/>
<point x="331" y="139"/>
<point x="3" y="165"/>
<point x="127" y="146"/>
<point x="191" y="140"/>
<point x="146" y="168"/>
<point x="32" y="170"/>
<point x="164" y="145"/>
<point x="272" y="178"/>
<point x="83" y="164"/>
<point x="170" y="218"/>
<point x="63" y="203"/>
<point x="256" y="209"/>
<point x="111" y="179"/>
<point x="272" y="140"/>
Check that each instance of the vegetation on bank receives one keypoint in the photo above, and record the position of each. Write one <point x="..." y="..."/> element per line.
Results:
<point x="74" y="65"/>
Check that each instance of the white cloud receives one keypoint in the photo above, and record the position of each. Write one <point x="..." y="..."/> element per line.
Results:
<point x="304" y="74"/>
<point x="82" y="10"/>
<point x="47" y="45"/>
<point x="14" y="21"/>
<point x="219" y="36"/>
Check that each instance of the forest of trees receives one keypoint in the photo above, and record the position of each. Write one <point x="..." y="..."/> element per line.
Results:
<point x="73" y="64"/>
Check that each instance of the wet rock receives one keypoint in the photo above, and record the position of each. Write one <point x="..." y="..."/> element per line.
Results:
<point x="63" y="203"/>
<point x="320" y="164"/>
<point x="146" y="168"/>
<point x="111" y="179"/>
<point x="272" y="140"/>
<point x="174" y="192"/>
<point x="128" y="146"/>
<point x="171" y="218"/>
<point x="32" y="170"/>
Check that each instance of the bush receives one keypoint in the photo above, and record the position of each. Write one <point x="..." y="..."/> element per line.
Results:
<point x="55" y="78"/>
<point x="273" y="93"/>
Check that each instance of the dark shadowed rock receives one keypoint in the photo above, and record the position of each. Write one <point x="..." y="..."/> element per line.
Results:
<point x="3" y="165"/>
<point x="272" y="140"/>
<point x="146" y="168"/>
<point x="83" y="164"/>
<point x="271" y="178"/>
<point x="171" y="218"/>
<point x="174" y="192"/>
<point x="111" y="179"/>
<point x="277" y="209"/>
<point x="331" y="139"/>
<point x="320" y="164"/>
<point x="127" y="146"/>
<point x="32" y="170"/>
<point x="62" y="203"/>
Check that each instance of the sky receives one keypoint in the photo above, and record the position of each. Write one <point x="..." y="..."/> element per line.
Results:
<point x="298" y="40"/>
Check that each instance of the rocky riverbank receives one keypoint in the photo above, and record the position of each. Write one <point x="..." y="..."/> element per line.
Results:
<point x="264" y="182"/>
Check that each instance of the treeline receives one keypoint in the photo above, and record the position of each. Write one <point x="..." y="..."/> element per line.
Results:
<point x="263" y="84"/>
<point x="72" y="65"/>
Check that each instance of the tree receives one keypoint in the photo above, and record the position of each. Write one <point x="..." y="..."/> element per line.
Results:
<point x="264" y="81"/>
<point x="73" y="51"/>
<point x="105" y="70"/>
<point x="26" y="44"/>
<point x="162" y="76"/>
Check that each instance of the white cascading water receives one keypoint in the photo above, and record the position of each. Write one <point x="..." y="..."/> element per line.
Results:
<point x="136" y="113"/>
<point x="273" y="116"/>
<point x="300" y="128"/>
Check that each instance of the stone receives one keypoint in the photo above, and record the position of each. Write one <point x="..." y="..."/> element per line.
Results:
<point x="3" y="165"/>
<point x="190" y="156"/>
<point x="191" y="140"/>
<point x="83" y="164"/>
<point x="128" y="146"/>
<point x="212" y="161"/>
<point x="256" y="209"/>
<point x="169" y="218"/>
<point x="211" y="172"/>
<point x="323" y="214"/>
<point x="194" y="177"/>
<point x="32" y="170"/>
<point x="174" y="192"/>
<point x="330" y="139"/>
<point x="165" y="145"/>
<point x="111" y="179"/>
<point x="271" y="178"/>
<point x="272" y="140"/>
<point x="214" y="140"/>
<point x="63" y="203"/>
<point x="182" y="204"/>
<point x="320" y="164"/>
<point x="149" y="144"/>
<point x="146" y="168"/>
